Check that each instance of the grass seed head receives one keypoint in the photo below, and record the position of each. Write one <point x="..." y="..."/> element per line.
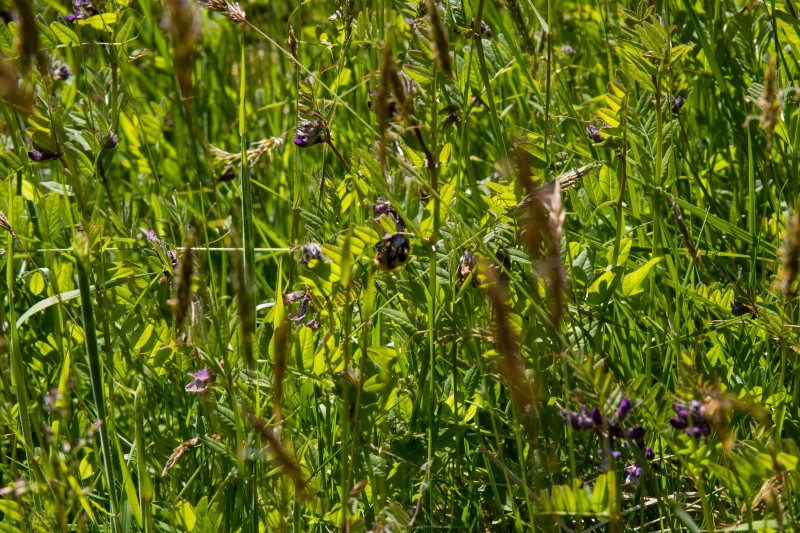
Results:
<point x="231" y="10"/>
<point x="790" y="258"/>
<point x="439" y="37"/>
<point x="183" y="288"/>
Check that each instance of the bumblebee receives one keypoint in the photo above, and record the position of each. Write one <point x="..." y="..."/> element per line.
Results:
<point x="392" y="251"/>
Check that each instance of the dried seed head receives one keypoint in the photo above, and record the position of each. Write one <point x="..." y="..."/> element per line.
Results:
<point x="231" y="10"/>
<point x="10" y="88"/>
<point x="181" y="22"/>
<point x="5" y="224"/>
<point x="292" y="297"/>
<point x="301" y="311"/>
<point x="790" y="257"/>
<point x="27" y="38"/>
<point x="177" y="453"/>
<point x="439" y="37"/>
<point x="770" y="101"/>
<point x="183" y="289"/>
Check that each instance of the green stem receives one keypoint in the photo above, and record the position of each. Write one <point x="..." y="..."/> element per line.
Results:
<point x="96" y="378"/>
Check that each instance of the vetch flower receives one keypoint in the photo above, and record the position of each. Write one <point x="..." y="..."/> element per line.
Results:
<point x="594" y="134"/>
<point x="301" y="311"/>
<point x="309" y="252"/>
<point x="466" y="267"/>
<point x="691" y="419"/>
<point x="63" y="72"/>
<point x="110" y="141"/>
<point x="677" y="104"/>
<point x="578" y="420"/>
<point x="203" y="379"/>
<point x="310" y="132"/>
<point x="37" y="156"/>
<point x="624" y="408"/>
<point x="634" y="473"/>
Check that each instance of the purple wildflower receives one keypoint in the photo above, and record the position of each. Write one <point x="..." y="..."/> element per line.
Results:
<point x="568" y="50"/>
<point x="203" y="380"/>
<point x="594" y="134"/>
<point x="624" y="408"/>
<point x="634" y="473"/>
<point x="606" y="453"/>
<point x="597" y="418"/>
<point x="63" y="72"/>
<point x="310" y="132"/>
<point x="309" y="252"/>
<point x="691" y="419"/>
<point x="636" y="433"/>
<point x="70" y="18"/>
<point x="578" y="420"/>
<point x="301" y="311"/>
<point x="677" y="104"/>
<point x="37" y="156"/>
<point x="110" y="141"/>
<point x="649" y="454"/>
<point x="384" y="207"/>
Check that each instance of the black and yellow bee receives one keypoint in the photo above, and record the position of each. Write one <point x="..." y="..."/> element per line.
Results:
<point x="392" y="251"/>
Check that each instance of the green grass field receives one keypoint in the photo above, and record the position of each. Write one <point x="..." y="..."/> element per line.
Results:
<point x="382" y="265"/>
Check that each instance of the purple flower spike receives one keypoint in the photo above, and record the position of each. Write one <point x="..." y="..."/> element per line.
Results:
<point x="624" y="408"/>
<point x="203" y="379"/>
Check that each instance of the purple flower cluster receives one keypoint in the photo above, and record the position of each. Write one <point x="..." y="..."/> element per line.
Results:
<point x="83" y="9"/>
<point x="677" y="104"/>
<point x="691" y="419"/>
<point x="384" y="207"/>
<point x="203" y="379"/>
<point x="310" y="132"/>
<point x="594" y="134"/>
<point x="611" y="429"/>
<point x="62" y="72"/>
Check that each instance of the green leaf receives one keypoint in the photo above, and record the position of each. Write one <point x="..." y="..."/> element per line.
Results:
<point x="632" y="283"/>
<point x="103" y="21"/>
<point x="65" y="34"/>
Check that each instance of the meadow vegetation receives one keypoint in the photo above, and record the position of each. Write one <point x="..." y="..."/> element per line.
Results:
<point x="382" y="265"/>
